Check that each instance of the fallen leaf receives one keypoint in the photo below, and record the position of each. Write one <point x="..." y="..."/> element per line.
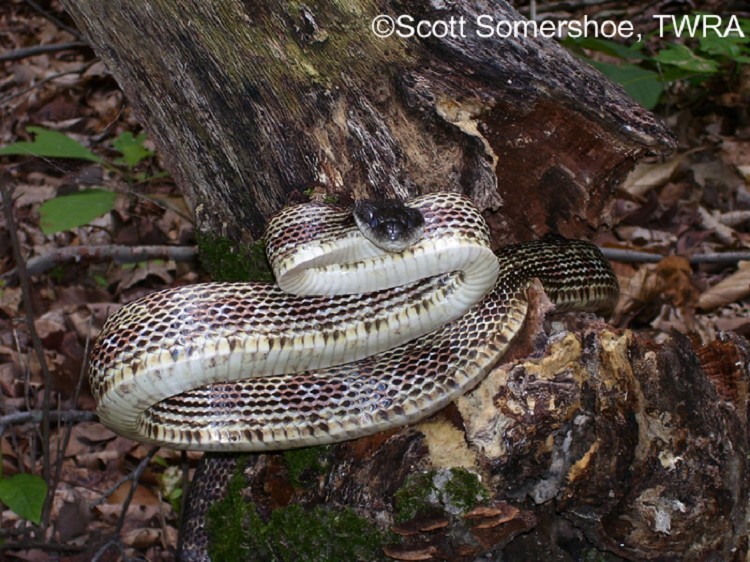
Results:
<point x="398" y="552"/>
<point x="647" y="176"/>
<point x="142" y="495"/>
<point x="141" y="538"/>
<point x="731" y="289"/>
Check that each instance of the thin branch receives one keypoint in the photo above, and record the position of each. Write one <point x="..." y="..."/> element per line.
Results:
<point x="635" y="256"/>
<point x="36" y="416"/>
<point x="135" y="477"/>
<point x="111" y="490"/>
<point x="121" y="254"/>
<point x="54" y="19"/>
<point x="68" y="428"/>
<point x="7" y="200"/>
<point x="50" y="546"/>
<point x="26" y="52"/>
<point x="50" y="78"/>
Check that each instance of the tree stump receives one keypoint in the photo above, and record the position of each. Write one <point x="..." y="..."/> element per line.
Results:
<point x="582" y="438"/>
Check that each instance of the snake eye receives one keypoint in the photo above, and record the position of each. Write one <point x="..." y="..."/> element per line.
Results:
<point x="364" y="212"/>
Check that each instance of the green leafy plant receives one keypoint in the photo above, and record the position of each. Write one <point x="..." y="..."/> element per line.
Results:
<point x="70" y="211"/>
<point x="50" y="144"/>
<point x="132" y="149"/>
<point x="645" y="77"/>
<point x="24" y="495"/>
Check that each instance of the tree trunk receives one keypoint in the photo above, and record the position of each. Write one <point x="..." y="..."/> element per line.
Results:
<point x="252" y="105"/>
<point x="598" y="439"/>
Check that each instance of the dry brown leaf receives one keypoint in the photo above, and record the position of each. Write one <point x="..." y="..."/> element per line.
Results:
<point x="735" y="151"/>
<point x="639" y="236"/>
<point x="711" y="222"/>
<point x="10" y="301"/>
<point x="32" y="555"/>
<point x="731" y="289"/>
<point x="399" y="552"/>
<point x="647" y="176"/>
<point x="141" y="538"/>
<point x="162" y="270"/>
<point x="142" y="495"/>
<point x="92" y="432"/>
<point x="675" y="275"/>
<point x="51" y="327"/>
<point x="715" y="173"/>
<point x="740" y="323"/>
<point x="669" y="281"/>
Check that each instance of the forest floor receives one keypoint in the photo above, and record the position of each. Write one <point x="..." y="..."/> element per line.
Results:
<point x="695" y="203"/>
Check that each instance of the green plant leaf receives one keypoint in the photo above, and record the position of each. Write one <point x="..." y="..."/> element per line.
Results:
<point x="643" y="85"/>
<point x="732" y="46"/>
<point x="24" y="494"/>
<point x="70" y="211"/>
<point x="131" y="148"/>
<point x="608" y="47"/>
<point x="682" y="57"/>
<point x="50" y="144"/>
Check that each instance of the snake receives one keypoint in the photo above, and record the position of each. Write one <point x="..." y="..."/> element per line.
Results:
<point x="355" y="337"/>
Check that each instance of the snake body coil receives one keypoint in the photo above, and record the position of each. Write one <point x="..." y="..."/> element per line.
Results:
<point x="379" y="340"/>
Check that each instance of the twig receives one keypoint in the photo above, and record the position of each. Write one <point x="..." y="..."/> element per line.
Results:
<point x="54" y="19"/>
<point x="121" y="254"/>
<point x="26" y="52"/>
<point x="7" y="197"/>
<point x="43" y="81"/>
<point x="185" y="467"/>
<point x="135" y="477"/>
<point x="69" y="424"/>
<point x="51" y="546"/>
<point x="710" y="222"/>
<point x="36" y="416"/>
<point x="635" y="256"/>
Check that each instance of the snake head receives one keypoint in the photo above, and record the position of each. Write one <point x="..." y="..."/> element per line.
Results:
<point x="389" y="224"/>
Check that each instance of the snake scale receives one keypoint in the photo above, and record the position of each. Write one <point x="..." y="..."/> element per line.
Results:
<point x="352" y="339"/>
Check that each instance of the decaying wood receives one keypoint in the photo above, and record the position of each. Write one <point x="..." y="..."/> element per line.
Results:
<point x="251" y="104"/>
<point x="596" y="437"/>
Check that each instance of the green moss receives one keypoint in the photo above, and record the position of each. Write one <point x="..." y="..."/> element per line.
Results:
<point x="226" y="261"/>
<point x="319" y="534"/>
<point x="416" y="495"/>
<point x="227" y="521"/>
<point x="454" y="490"/>
<point x="464" y="490"/>
<point x="305" y="465"/>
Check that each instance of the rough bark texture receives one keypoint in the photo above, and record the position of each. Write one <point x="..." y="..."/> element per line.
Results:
<point x="253" y="103"/>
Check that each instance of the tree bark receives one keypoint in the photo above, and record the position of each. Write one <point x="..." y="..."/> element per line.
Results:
<point x="252" y="104"/>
